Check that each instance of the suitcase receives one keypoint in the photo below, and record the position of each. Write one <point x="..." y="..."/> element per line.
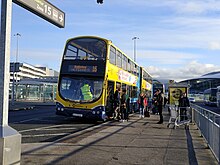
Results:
<point x="146" y="113"/>
<point x="154" y="110"/>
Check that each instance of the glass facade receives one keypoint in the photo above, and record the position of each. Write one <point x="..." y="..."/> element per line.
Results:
<point x="45" y="92"/>
<point x="198" y="86"/>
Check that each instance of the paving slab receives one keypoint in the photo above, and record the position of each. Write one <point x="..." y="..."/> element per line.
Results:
<point x="136" y="142"/>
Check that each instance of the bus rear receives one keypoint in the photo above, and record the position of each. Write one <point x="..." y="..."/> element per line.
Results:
<point x="80" y="90"/>
<point x="210" y="97"/>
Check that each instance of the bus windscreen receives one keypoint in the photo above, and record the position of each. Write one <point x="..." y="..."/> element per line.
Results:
<point x="80" y="89"/>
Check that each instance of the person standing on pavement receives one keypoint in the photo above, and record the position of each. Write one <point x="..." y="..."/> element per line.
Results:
<point x="146" y="111"/>
<point x="183" y="104"/>
<point x="123" y="105"/>
<point x="141" y="105"/>
<point x="117" y="102"/>
<point x="159" y="104"/>
<point x="127" y="107"/>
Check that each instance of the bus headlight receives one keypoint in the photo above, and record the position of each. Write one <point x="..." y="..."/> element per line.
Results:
<point x="59" y="106"/>
<point x="99" y="110"/>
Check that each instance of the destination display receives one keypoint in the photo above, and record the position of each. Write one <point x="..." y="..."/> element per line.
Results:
<point x="83" y="68"/>
<point x="44" y="9"/>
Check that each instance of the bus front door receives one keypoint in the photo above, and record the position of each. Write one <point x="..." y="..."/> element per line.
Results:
<point x="110" y="99"/>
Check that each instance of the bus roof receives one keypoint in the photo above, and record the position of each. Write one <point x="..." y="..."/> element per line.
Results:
<point x="146" y="71"/>
<point x="107" y="41"/>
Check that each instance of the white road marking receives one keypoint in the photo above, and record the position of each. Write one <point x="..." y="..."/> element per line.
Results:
<point x="54" y="129"/>
<point x="23" y="121"/>
<point x="41" y="128"/>
<point x="42" y="135"/>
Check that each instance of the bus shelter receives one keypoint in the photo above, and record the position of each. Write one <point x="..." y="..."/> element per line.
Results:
<point x="35" y="91"/>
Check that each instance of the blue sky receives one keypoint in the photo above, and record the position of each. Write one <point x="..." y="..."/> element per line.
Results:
<point x="177" y="39"/>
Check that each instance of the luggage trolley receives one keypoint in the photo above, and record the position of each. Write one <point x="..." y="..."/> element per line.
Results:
<point x="173" y="115"/>
<point x="179" y="116"/>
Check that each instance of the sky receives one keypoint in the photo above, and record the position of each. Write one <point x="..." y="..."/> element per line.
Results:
<point x="178" y="39"/>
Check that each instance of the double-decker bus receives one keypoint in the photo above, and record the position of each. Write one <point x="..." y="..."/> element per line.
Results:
<point x="210" y="97"/>
<point x="91" y="69"/>
<point x="146" y="82"/>
<point x="158" y="85"/>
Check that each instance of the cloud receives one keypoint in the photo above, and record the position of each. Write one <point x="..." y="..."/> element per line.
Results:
<point x="167" y="57"/>
<point x="163" y="57"/>
<point x="187" y="7"/>
<point x="215" y="45"/>
<point x="191" y="70"/>
<point x="49" y="58"/>
<point x="195" y="68"/>
<point x="198" y="7"/>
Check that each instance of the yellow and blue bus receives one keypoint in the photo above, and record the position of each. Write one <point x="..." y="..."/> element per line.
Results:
<point x="146" y="82"/>
<point x="91" y="68"/>
<point x="158" y="85"/>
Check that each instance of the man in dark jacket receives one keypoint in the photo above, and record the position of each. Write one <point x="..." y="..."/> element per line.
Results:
<point x="183" y="103"/>
<point x="117" y="102"/>
<point x="123" y="107"/>
<point x="159" y="104"/>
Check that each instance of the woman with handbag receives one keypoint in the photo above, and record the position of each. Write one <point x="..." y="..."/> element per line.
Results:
<point x="146" y="112"/>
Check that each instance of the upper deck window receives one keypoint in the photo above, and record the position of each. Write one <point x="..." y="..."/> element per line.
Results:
<point x="119" y="59"/>
<point x="85" y="49"/>
<point x="124" y="62"/>
<point x="129" y="66"/>
<point x="112" y="58"/>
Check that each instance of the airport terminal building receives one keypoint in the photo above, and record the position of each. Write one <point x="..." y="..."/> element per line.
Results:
<point x="31" y="83"/>
<point x="199" y="84"/>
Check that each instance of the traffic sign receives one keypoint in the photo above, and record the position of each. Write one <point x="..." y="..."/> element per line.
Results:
<point x="45" y="10"/>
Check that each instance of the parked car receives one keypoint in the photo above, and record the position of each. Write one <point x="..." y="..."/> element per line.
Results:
<point x="192" y="99"/>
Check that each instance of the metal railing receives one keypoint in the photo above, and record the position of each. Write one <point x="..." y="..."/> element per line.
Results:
<point x="209" y="124"/>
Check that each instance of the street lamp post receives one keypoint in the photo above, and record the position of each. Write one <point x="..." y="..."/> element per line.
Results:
<point x="17" y="35"/>
<point x="14" y="67"/>
<point x="135" y="38"/>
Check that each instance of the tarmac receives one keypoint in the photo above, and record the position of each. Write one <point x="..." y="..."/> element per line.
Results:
<point x="26" y="105"/>
<point x="134" y="142"/>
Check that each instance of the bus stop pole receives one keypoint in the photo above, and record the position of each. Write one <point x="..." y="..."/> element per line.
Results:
<point x="10" y="139"/>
